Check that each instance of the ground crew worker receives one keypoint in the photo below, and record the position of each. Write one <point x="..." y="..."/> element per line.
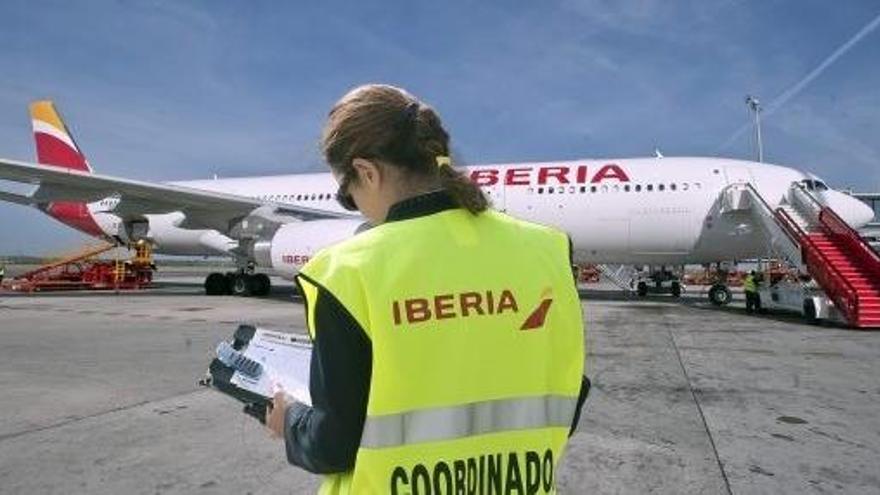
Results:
<point x="448" y="339"/>
<point x="750" y="286"/>
<point x="2" y="272"/>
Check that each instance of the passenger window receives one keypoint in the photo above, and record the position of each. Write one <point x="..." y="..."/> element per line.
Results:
<point x="604" y="189"/>
<point x="684" y="186"/>
<point x="549" y="190"/>
<point x="583" y="189"/>
<point x="650" y="187"/>
<point x="626" y="187"/>
<point x="571" y="189"/>
<point x="638" y="188"/>
<point x="593" y="189"/>
<point x="660" y="187"/>
<point x="672" y="186"/>
<point x="697" y="185"/>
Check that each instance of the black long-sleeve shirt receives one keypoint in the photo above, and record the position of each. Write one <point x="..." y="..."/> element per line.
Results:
<point x="324" y="438"/>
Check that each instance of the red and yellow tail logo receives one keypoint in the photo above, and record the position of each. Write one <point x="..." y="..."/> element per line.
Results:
<point x="536" y="319"/>
<point x="55" y="145"/>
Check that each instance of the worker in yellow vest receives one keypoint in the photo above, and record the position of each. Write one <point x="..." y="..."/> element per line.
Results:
<point x="750" y="287"/>
<point x="448" y="339"/>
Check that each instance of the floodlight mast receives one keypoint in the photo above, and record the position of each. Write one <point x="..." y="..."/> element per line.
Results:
<point x="755" y="107"/>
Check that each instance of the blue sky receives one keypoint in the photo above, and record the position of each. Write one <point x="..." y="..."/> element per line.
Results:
<point x="179" y="90"/>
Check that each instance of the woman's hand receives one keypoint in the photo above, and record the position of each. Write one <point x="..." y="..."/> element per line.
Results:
<point x="275" y="413"/>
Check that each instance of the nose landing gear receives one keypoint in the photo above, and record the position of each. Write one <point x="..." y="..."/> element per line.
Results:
<point x="720" y="295"/>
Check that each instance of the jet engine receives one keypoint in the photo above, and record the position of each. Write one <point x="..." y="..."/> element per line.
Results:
<point x="293" y="244"/>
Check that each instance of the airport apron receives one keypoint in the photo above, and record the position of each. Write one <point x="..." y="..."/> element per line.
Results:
<point x="478" y="352"/>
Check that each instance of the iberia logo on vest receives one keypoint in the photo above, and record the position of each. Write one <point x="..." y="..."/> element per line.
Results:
<point x="468" y="305"/>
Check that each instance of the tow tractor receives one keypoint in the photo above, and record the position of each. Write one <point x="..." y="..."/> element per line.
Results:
<point x="660" y="281"/>
<point x="799" y="295"/>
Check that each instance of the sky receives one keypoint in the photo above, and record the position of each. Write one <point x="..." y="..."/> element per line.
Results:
<point x="184" y="90"/>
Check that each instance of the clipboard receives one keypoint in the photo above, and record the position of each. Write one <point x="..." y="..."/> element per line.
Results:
<point x="256" y="362"/>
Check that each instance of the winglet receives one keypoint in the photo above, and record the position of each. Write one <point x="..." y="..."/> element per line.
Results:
<point x="55" y="144"/>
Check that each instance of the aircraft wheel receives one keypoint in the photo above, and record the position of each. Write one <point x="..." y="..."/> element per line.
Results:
<point x="216" y="284"/>
<point x="676" y="289"/>
<point x="642" y="289"/>
<point x="242" y="284"/>
<point x="720" y="295"/>
<point x="262" y="284"/>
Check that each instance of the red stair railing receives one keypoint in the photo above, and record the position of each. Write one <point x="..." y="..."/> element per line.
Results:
<point x="856" y="245"/>
<point x="835" y="284"/>
<point x="829" y="277"/>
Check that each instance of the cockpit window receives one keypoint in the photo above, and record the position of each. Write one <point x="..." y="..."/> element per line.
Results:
<point x="814" y="185"/>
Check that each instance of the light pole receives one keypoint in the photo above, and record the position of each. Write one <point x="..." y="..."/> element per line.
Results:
<point x="755" y="106"/>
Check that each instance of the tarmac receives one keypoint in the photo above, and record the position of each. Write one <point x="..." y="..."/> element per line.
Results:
<point x="98" y="395"/>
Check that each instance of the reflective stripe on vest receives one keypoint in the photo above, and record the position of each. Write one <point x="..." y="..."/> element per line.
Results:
<point x="478" y="418"/>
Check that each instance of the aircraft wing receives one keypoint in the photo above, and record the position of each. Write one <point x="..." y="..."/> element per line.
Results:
<point x="203" y="209"/>
<point x="20" y="199"/>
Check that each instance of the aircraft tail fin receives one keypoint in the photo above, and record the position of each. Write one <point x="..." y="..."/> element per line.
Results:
<point x="55" y="144"/>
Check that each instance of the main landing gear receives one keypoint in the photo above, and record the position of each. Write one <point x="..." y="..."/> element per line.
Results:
<point x="238" y="284"/>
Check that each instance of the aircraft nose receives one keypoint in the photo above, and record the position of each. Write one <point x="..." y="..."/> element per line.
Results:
<point x="856" y="213"/>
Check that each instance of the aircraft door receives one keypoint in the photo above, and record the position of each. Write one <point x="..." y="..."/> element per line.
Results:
<point x="737" y="174"/>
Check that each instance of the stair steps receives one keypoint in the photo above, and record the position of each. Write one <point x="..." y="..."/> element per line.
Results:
<point x="859" y="273"/>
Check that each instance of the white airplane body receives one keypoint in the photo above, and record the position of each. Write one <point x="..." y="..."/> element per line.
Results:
<point x="657" y="211"/>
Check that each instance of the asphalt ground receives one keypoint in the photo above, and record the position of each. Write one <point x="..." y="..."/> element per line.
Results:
<point x="98" y="395"/>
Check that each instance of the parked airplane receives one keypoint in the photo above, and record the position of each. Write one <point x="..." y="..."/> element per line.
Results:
<point x="647" y="211"/>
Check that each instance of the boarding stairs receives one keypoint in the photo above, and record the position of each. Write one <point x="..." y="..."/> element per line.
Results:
<point x="815" y="240"/>
<point x="800" y="220"/>
<point x="623" y="276"/>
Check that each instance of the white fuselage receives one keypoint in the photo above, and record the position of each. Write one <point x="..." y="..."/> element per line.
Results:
<point x="633" y="211"/>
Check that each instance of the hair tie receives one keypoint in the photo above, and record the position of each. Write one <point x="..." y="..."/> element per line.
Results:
<point x="443" y="161"/>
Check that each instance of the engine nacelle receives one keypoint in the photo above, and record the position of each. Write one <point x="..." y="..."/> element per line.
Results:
<point x="167" y="237"/>
<point x="295" y="243"/>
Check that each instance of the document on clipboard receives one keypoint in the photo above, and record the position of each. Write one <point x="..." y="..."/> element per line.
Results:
<point x="257" y="362"/>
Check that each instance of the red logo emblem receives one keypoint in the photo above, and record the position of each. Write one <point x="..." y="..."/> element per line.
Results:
<point x="536" y="319"/>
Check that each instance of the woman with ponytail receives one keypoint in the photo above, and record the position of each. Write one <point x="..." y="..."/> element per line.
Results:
<point x="445" y="322"/>
<point x="382" y="132"/>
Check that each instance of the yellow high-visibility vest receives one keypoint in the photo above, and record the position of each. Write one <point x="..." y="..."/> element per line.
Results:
<point x="749" y="284"/>
<point x="478" y="352"/>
